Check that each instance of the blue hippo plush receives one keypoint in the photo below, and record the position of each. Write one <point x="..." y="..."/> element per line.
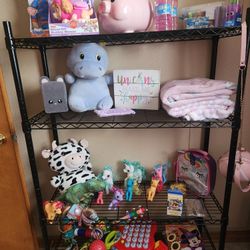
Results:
<point x="89" y="90"/>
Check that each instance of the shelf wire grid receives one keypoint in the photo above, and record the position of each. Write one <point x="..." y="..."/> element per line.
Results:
<point x="142" y="119"/>
<point x="157" y="212"/>
<point x="128" y="38"/>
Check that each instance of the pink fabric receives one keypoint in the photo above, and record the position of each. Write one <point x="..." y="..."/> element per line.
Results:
<point x="177" y="90"/>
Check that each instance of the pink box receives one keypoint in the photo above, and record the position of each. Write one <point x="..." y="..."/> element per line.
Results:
<point x="72" y="17"/>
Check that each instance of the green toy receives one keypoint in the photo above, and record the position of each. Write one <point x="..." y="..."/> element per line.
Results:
<point x="82" y="193"/>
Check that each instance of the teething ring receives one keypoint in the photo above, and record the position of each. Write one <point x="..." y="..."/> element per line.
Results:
<point x="175" y="245"/>
<point x="171" y="237"/>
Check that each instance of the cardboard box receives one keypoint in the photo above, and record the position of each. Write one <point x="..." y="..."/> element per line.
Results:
<point x="72" y="17"/>
<point x="137" y="89"/>
<point x="38" y="11"/>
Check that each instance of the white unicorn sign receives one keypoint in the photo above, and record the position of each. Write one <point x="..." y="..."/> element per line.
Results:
<point x="138" y="89"/>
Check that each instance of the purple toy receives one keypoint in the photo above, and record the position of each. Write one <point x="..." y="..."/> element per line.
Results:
<point x="125" y="15"/>
<point x="117" y="198"/>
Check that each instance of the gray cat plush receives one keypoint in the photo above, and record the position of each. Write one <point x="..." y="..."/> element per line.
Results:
<point x="54" y="95"/>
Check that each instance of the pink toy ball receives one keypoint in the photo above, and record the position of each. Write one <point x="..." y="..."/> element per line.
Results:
<point x="97" y="245"/>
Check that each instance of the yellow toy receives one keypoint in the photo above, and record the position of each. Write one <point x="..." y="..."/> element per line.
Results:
<point x="152" y="190"/>
<point x="136" y="189"/>
<point x="53" y="208"/>
<point x="179" y="186"/>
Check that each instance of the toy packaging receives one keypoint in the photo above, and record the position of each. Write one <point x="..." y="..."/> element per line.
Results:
<point x="194" y="208"/>
<point x="183" y="236"/>
<point x="72" y="17"/>
<point x="38" y="11"/>
<point x="175" y="202"/>
<point x="197" y="169"/>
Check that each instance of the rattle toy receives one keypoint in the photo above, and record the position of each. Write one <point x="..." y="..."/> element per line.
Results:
<point x="97" y="245"/>
<point x="111" y="239"/>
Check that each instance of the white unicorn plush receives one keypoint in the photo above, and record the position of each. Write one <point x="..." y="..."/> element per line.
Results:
<point x="107" y="177"/>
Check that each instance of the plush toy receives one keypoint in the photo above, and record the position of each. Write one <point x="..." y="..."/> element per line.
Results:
<point x="72" y="162"/>
<point x="88" y="63"/>
<point x="82" y="193"/>
<point x="54" y="95"/>
<point x="38" y="10"/>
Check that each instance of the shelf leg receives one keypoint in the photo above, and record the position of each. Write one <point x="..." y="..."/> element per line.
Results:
<point x="26" y="128"/>
<point x="215" y="42"/>
<point x="46" y="73"/>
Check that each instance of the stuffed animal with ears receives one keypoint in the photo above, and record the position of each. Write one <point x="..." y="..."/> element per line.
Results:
<point x="71" y="160"/>
<point x="89" y="90"/>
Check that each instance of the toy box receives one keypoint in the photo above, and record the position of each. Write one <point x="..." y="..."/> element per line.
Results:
<point x="137" y="89"/>
<point x="38" y="11"/>
<point x="184" y="236"/>
<point x="72" y="17"/>
<point x="175" y="202"/>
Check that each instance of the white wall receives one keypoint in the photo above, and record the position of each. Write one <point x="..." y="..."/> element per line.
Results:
<point x="175" y="60"/>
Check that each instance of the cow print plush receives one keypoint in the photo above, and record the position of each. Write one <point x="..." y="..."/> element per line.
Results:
<point x="71" y="161"/>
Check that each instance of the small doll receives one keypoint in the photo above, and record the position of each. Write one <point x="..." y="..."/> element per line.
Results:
<point x="134" y="214"/>
<point x="129" y="189"/>
<point x="117" y="198"/>
<point x="152" y="190"/>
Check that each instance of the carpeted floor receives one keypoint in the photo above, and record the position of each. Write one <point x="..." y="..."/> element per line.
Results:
<point x="238" y="246"/>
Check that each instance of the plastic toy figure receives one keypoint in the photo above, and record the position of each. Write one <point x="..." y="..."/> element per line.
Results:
<point x="152" y="190"/>
<point x="135" y="171"/>
<point x="107" y="177"/>
<point x="52" y="209"/>
<point x="134" y="214"/>
<point x="117" y="198"/>
<point x="129" y="189"/>
<point x="99" y="200"/>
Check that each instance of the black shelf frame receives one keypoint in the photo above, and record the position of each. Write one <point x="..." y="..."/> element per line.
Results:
<point x="43" y="44"/>
<point x="142" y="119"/>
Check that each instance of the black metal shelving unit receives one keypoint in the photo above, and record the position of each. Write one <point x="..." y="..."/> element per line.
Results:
<point x="215" y="213"/>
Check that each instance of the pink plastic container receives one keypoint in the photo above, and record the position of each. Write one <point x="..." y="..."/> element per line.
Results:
<point x="165" y="14"/>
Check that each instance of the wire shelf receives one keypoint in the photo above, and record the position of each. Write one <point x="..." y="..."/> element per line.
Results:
<point x="141" y="120"/>
<point x="127" y="38"/>
<point x="59" y="244"/>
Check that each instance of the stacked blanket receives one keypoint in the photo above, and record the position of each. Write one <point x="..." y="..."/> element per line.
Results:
<point x="198" y="99"/>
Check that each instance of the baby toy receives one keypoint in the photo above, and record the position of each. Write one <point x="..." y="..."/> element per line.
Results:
<point x="125" y="15"/>
<point x="54" y="95"/>
<point x="82" y="193"/>
<point x="86" y="216"/>
<point x="152" y="190"/>
<point x="134" y="214"/>
<point x="38" y="11"/>
<point x="97" y="245"/>
<point x="117" y="198"/>
<point x="129" y="189"/>
<point x="192" y="239"/>
<point x="134" y="170"/>
<point x="88" y="63"/>
<point x="72" y="162"/>
<point x="53" y="208"/>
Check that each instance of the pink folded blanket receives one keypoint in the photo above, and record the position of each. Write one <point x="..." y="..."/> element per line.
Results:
<point x="198" y="88"/>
